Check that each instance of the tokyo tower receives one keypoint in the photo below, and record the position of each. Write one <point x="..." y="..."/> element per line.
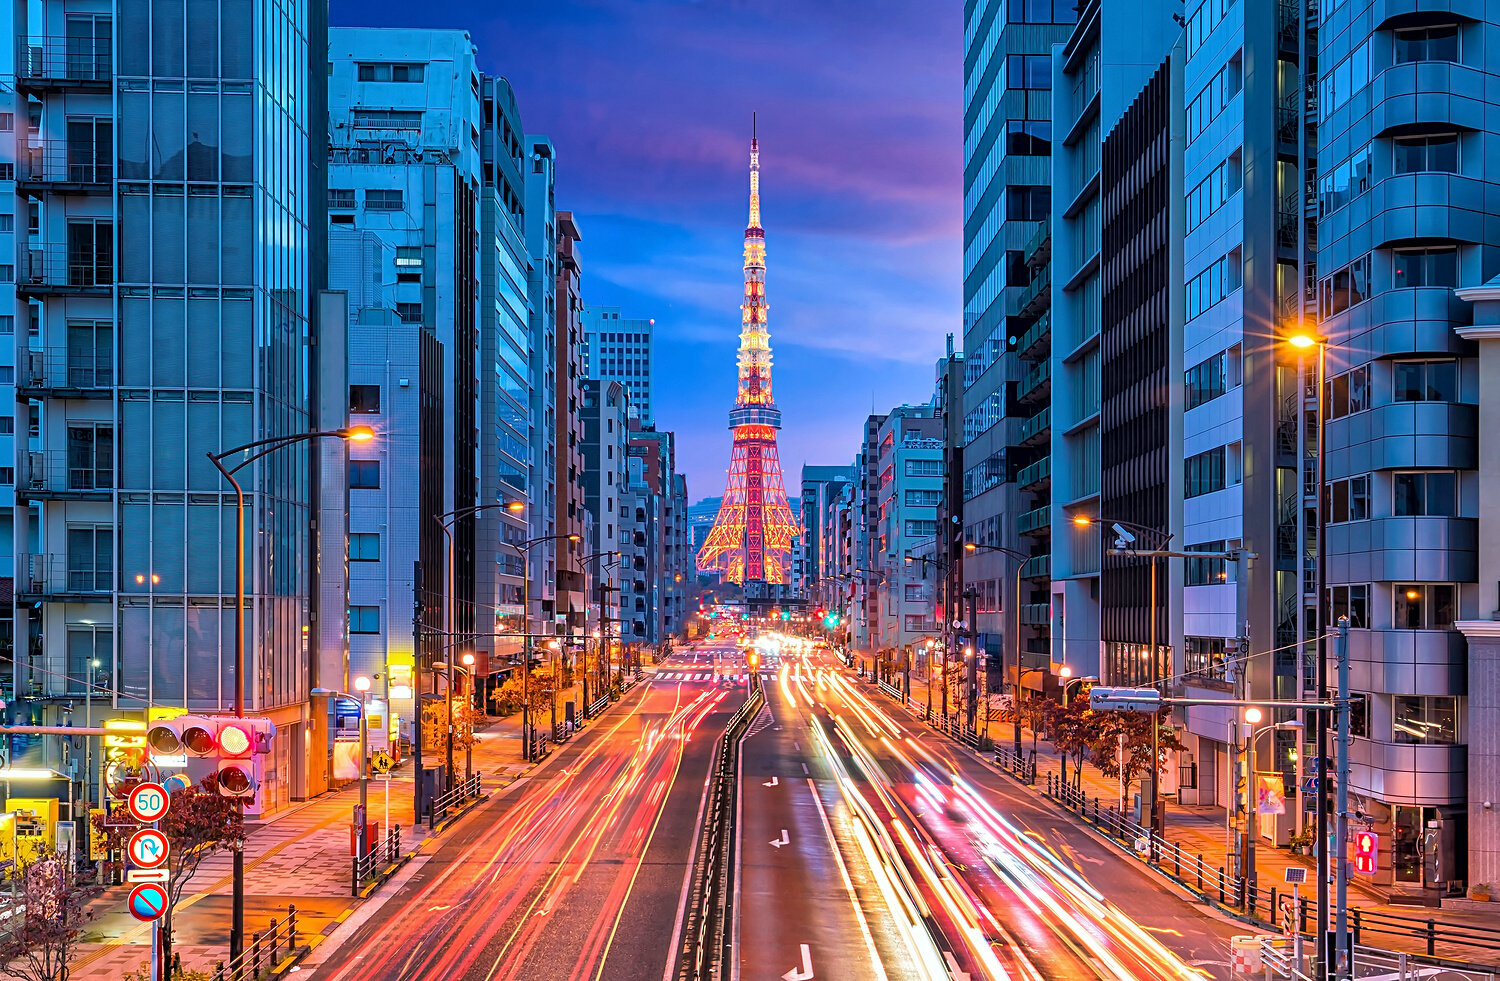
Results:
<point x="751" y="540"/>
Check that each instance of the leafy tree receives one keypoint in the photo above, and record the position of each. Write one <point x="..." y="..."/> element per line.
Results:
<point x="507" y="698"/>
<point x="1072" y="731"/>
<point x="1136" y="729"/>
<point x="40" y="944"/>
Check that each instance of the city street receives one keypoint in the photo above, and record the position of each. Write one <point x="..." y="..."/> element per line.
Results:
<point x="576" y="871"/>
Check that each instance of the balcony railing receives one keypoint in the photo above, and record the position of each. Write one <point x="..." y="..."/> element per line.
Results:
<point x="1036" y="474"/>
<point x="1031" y="297"/>
<point x="1037" y="567"/>
<point x="1037" y="519"/>
<point x="47" y="574"/>
<point x="1035" y="614"/>
<point x="65" y="61"/>
<point x="58" y="163"/>
<point x="57" y="473"/>
<point x="53" y="268"/>
<point x="1039" y="249"/>
<point x="1037" y="425"/>
<point x="1036" y="335"/>
<point x="1033" y="379"/>
<point x="55" y="370"/>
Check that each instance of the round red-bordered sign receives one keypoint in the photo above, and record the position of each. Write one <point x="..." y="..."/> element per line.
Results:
<point x="147" y="902"/>
<point x="148" y="848"/>
<point x="148" y="801"/>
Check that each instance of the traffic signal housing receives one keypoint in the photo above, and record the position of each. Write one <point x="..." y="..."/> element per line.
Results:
<point x="224" y="747"/>
<point x="1366" y="852"/>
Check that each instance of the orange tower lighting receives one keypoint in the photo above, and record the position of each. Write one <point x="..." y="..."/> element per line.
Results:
<point x="751" y="540"/>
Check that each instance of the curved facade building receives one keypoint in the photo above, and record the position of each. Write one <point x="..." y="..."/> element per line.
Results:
<point x="1407" y="216"/>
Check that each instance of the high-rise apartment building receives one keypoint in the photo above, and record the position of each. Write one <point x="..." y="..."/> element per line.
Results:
<point x="169" y="248"/>
<point x="908" y="489"/>
<point x="1116" y="340"/>
<point x="541" y="287"/>
<point x="620" y="349"/>
<point x="1007" y="468"/>
<point x="570" y="607"/>
<point x="1407" y="211"/>
<point x="820" y="484"/>
<point x="606" y="425"/>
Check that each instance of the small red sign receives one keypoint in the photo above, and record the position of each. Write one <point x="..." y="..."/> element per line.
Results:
<point x="147" y="902"/>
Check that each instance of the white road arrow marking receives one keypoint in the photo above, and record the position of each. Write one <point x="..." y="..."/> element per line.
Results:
<point x="773" y="782"/>
<point x="785" y="839"/>
<point x="806" y="972"/>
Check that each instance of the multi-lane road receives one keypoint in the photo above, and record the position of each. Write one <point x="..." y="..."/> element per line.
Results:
<point x="868" y="848"/>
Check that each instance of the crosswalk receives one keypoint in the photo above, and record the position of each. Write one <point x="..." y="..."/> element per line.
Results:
<point x="709" y="676"/>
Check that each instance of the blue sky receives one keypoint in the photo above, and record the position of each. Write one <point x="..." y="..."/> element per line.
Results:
<point x="649" y="102"/>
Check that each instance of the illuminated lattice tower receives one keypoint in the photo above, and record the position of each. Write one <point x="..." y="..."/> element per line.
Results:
<point x="751" y="540"/>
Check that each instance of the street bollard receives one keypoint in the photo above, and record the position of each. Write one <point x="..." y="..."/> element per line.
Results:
<point x="291" y="916"/>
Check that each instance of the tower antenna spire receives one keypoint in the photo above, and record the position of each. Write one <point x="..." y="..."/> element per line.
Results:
<point x="751" y="540"/>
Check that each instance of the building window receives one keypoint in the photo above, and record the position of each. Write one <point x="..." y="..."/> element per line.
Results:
<point x="1028" y="71"/>
<point x="1209" y="570"/>
<point x="1215" y="189"/>
<point x="1431" y="494"/>
<point x="1349" y="601"/>
<point x="1439" y="43"/>
<point x="1043" y="11"/>
<point x="364" y="547"/>
<point x="8" y="476"/>
<point x="7" y="272"/>
<point x="1348" y="392"/>
<point x="921" y="529"/>
<point x="1359" y="714"/>
<point x="923" y="498"/>
<point x="1343" y="80"/>
<point x="1028" y="203"/>
<point x="1415" y="154"/>
<point x="1341" y="184"/>
<point x="1424" y="719"/>
<point x="364" y="399"/>
<point x="924" y="468"/>
<point x="7" y="122"/>
<point x="91" y="559"/>
<point x="89" y="650"/>
<point x="387" y="119"/>
<point x="1217" y="94"/>
<point x="1426" y="267"/>
<point x="1420" y="606"/>
<point x="408" y="257"/>
<point x="409" y="313"/>
<point x="91" y="457"/>
<point x="1220" y="279"/>
<point x="1349" y="500"/>
<point x="364" y="619"/>
<point x="1210" y="379"/>
<point x="7" y="323"/>
<point x="383" y="200"/>
<point x="1426" y="381"/>
<point x="364" y="474"/>
<point x="1204" y="657"/>
<point x="341" y="197"/>
<point x="369" y="72"/>
<point x="1204" y="472"/>
<point x="1028" y="137"/>
<point x="1345" y="288"/>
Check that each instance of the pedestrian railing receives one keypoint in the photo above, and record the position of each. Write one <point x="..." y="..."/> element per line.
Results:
<point x="1272" y="906"/>
<point x="599" y="706"/>
<point x="561" y="732"/>
<point x="379" y="860"/>
<point x="891" y="690"/>
<point x="265" y="951"/>
<point x="465" y="791"/>
<point x="707" y="930"/>
<point x="1021" y="765"/>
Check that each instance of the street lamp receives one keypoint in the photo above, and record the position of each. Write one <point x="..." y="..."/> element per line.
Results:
<point x="445" y="524"/>
<point x="1015" y="692"/>
<point x="1069" y="681"/>
<point x="602" y="601"/>
<point x="255" y="450"/>
<point x="1304" y="340"/>
<point x="361" y="685"/>
<point x="524" y="548"/>
<point x="1252" y="717"/>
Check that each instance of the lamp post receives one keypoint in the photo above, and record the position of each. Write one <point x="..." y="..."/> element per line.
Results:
<point x="1069" y="681"/>
<point x="1306" y="340"/>
<point x="445" y="524"/>
<point x="361" y="685"/>
<point x="602" y="565"/>
<point x="1021" y="559"/>
<point x="524" y="548"/>
<point x="468" y="669"/>
<point x="1128" y="531"/>
<point x="255" y="450"/>
<point x="1252" y="717"/>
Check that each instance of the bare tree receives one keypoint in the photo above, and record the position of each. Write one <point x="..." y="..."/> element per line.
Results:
<point x="44" y="938"/>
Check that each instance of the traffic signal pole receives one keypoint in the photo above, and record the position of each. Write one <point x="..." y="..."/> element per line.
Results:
<point x="1342" y="953"/>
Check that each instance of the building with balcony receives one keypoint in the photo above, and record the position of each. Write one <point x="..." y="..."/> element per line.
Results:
<point x="909" y="489"/>
<point x="169" y="243"/>
<point x="606" y="427"/>
<point x="1407" y="213"/>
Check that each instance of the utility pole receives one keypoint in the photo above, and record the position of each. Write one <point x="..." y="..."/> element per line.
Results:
<point x="416" y="725"/>
<point x="1341" y="817"/>
<point x="973" y="597"/>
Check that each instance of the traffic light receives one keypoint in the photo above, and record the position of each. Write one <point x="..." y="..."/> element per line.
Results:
<point x="222" y="746"/>
<point x="786" y="614"/>
<point x="822" y="613"/>
<point x="1366" y="852"/>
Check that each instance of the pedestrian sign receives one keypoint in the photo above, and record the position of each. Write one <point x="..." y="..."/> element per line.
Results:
<point x="148" y="801"/>
<point x="148" y="848"/>
<point x="381" y="762"/>
<point x="148" y="901"/>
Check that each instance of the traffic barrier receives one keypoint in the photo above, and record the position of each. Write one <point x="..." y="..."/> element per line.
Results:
<point x="266" y="951"/>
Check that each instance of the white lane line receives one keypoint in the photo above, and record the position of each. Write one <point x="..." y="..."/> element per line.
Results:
<point x="838" y="858"/>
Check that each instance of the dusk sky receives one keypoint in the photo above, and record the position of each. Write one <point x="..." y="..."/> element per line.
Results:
<point x="648" y="103"/>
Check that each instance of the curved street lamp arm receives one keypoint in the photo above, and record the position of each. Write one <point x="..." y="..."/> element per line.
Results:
<point x="269" y="445"/>
<point x="1016" y="554"/>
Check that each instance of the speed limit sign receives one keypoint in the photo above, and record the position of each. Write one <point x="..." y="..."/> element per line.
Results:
<point x="148" y="801"/>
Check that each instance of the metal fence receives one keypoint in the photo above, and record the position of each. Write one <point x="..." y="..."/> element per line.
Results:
<point x="265" y="952"/>
<point x="1270" y="906"/>
<point x="707" y="931"/>
<point x="382" y="855"/>
<point x="464" y="791"/>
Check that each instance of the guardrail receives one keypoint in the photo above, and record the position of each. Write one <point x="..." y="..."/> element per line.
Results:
<point x="1269" y="906"/>
<point x="265" y="952"/>
<point x="1021" y="765"/>
<point x="707" y="930"/>
<point x="382" y="854"/>
<point x="891" y="690"/>
<point x="599" y="705"/>
<point x="465" y="791"/>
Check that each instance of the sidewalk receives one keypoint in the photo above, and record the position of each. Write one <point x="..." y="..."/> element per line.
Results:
<point x="1200" y="831"/>
<point x="298" y="856"/>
